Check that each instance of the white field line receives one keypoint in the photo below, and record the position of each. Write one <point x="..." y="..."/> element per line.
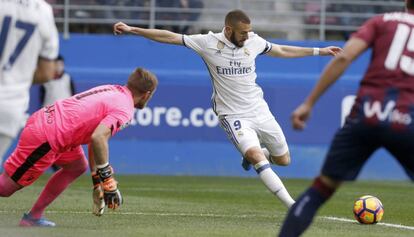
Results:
<point x="331" y="218"/>
<point x="156" y="214"/>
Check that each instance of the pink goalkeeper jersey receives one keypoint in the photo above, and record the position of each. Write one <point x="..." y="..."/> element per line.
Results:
<point x="70" y="122"/>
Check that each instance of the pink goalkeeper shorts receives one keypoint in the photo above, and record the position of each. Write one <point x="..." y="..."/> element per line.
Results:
<point x="33" y="155"/>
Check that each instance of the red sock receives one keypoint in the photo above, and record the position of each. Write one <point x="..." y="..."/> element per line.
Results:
<point x="57" y="184"/>
<point x="322" y="188"/>
<point x="7" y="186"/>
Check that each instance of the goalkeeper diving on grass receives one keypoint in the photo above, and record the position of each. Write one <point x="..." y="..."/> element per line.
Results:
<point x="55" y="133"/>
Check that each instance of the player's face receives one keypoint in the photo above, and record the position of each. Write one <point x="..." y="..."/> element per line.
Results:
<point x="240" y="33"/>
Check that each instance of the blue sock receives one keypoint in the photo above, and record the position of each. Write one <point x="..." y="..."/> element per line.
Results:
<point x="301" y="214"/>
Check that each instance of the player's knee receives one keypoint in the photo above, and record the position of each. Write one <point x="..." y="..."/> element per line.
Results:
<point x="254" y="155"/>
<point x="282" y="160"/>
<point x="83" y="166"/>
<point x="77" y="167"/>
<point x="7" y="186"/>
<point x="7" y="193"/>
<point x="329" y="182"/>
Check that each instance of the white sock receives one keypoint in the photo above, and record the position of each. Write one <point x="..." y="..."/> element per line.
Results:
<point x="273" y="182"/>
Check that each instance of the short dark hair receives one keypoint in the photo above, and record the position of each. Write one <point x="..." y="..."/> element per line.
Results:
<point x="236" y="16"/>
<point x="142" y="81"/>
<point x="60" y="58"/>
<point x="410" y="4"/>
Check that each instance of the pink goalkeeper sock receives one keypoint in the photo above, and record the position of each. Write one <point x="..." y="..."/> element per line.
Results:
<point x="7" y="186"/>
<point x="56" y="185"/>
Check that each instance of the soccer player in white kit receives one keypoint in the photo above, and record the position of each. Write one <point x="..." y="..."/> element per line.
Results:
<point x="28" y="45"/>
<point x="237" y="99"/>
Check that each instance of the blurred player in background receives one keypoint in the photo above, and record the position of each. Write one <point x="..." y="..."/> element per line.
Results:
<point x="382" y="115"/>
<point x="237" y="99"/>
<point x="28" y="45"/>
<point x="54" y="135"/>
<point x="61" y="87"/>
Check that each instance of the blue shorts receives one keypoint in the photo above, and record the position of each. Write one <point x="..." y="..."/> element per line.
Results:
<point x="356" y="142"/>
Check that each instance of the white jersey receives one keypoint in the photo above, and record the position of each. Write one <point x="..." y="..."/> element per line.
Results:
<point x="233" y="71"/>
<point x="27" y="32"/>
<point x="57" y="89"/>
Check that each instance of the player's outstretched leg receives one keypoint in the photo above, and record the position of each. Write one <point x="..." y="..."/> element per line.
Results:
<point x="247" y="165"/>
<point x="7" y="185"/>
<point x="273" y="182"/>
<point x="301" y="214"/>
<point x="268" y="176"/>
<point x="54" y="187"/>
<point x="28" y="221"/>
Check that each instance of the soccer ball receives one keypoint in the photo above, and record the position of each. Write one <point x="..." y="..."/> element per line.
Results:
<point x="368" y="210"/>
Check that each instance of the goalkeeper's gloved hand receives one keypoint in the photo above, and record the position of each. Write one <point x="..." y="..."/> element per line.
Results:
<point x="112" y="196"/>
<point x="97" y="195"/>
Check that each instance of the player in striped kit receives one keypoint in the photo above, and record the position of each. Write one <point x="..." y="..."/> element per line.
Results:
<point x="237" y="99"/>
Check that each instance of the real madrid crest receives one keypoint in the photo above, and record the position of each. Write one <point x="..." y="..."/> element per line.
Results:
<point x="220" y="46"/>
<point x="246" y="52"/>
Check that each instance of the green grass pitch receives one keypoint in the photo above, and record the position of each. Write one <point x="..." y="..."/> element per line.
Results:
<point x="205" y="206"/>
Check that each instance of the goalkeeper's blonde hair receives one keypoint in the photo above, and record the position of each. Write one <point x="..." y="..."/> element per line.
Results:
<point x="142" y="81"/>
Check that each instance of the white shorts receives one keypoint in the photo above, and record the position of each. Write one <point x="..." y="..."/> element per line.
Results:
<point x="246" y="133"/>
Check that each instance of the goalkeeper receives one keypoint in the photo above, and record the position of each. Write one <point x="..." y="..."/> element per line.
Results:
<point x="54" y="135"/>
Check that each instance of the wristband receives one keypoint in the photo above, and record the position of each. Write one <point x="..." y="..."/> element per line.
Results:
<point x="316" y="51"/>
<point x="102" y="166"/>
<point x="105" y="173"/>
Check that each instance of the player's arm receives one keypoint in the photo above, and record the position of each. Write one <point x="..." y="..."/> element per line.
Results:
<point x="287" y="51"/>
<point x="353" y="48"/>
<point x="163" y="36"/>
<point x="45" y="71"/>
<point x="98" y="206"/>
<point x="99" y="144"/>
<point x="46" y="64"/>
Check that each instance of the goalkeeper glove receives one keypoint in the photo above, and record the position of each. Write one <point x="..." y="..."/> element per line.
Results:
<point x="97" y="195"/>
<point x="112" y="196"/>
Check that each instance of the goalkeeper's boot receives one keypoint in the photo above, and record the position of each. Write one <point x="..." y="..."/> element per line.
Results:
<point x="246" y="164"/>
<point x="28" y="221"/>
